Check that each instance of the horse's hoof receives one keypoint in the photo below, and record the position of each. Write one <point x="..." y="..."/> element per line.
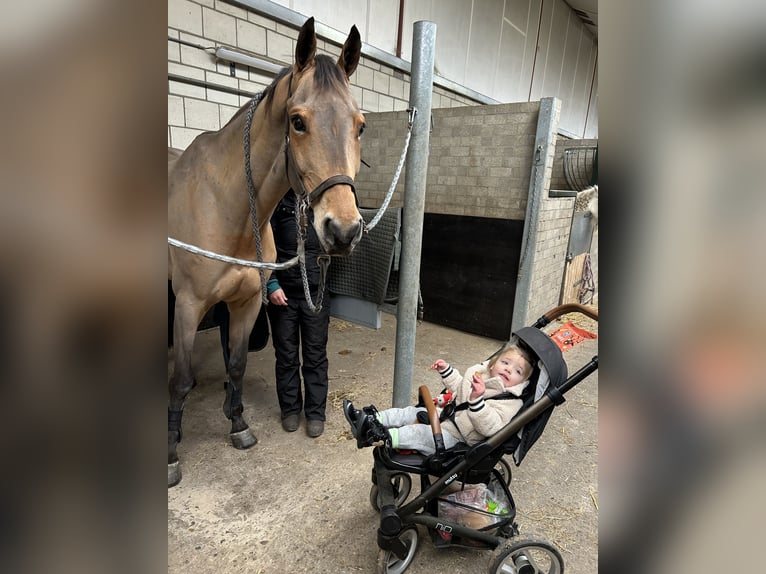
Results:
<point x="174" y="473"/>
<point x="243" y="439"/>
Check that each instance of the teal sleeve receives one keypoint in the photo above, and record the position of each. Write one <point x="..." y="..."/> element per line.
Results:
<point x="272" y="285"/>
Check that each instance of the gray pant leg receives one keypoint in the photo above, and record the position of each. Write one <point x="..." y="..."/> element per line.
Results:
<point x="392" y="418"/>
<point x="419" y="437"/>
<point x="414" y="436"/>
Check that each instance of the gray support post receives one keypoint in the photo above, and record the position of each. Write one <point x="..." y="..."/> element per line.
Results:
<point x="539" y="181"/>
<point x="421" y="87"/>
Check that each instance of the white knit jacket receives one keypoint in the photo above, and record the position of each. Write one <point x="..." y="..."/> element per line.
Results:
<point x="482" y="418"/>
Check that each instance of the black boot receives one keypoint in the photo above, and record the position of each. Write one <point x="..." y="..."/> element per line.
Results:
<point x="370" y="430"/>
<point x="355" y="416"/>
<point x="352" y="415"/>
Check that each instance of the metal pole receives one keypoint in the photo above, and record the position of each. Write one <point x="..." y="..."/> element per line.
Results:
<point x="539" y="181"/>
<point x="421" y="87"/>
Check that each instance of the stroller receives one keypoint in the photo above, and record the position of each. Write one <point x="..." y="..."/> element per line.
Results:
<point x="452" y="481"/>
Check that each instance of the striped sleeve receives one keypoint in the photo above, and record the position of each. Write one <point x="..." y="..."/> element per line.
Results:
<point x="476" y="405"/>
<point x="447" y="372"/>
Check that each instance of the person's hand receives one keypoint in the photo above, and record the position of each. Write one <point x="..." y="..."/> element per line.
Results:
<point x="477" y="387"/>
<point x="439" y="365"/>
<point x="278" y="297"/>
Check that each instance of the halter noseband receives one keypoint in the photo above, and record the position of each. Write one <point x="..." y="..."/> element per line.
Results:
<point x="294" y="176"/>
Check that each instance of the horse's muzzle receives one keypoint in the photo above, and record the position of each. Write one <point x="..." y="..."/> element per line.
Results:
<point x="338" y="239"/>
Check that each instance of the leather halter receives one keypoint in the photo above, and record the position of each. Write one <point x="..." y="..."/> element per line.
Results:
<point x="294" y="176"/>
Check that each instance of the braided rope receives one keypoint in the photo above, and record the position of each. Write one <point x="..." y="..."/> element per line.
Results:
<point x="251" y="192"/>
<point x="390" y="193"/>
<point x="233" y="260"/>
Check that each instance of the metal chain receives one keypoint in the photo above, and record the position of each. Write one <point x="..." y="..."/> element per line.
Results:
<point x="410" y="120"/>
<point x="251" y="192"/>
<point x="301" y="224"/>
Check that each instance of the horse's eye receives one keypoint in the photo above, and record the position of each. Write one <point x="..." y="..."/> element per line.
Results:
<point x="298" y="124"/>
<point x="361" y="129"/>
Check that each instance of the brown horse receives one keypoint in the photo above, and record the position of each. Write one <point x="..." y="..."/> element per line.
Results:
<point x="304" y="134"/>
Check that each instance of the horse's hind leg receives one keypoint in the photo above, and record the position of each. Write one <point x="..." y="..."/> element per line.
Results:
<point x="241" y="321"/>
<point x="187" y="317"/>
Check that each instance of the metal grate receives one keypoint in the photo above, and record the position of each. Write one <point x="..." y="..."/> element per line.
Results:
<point x="366" y="273"/>
<point x="578" y="167"/>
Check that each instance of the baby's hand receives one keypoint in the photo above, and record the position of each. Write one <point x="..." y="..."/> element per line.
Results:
<point x="477" y="386"/>
<point x="439" y="365"/>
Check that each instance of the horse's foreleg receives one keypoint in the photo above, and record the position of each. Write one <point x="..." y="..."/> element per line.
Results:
<point x="187" y="317"/>
<point x="241" y="321"/>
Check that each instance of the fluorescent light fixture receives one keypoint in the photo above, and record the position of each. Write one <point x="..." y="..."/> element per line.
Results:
<point x="240" y="58"/>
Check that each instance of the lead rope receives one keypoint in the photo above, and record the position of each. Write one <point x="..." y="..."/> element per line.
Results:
<point x="251" y="193"/>
<point x="410" y="120"/>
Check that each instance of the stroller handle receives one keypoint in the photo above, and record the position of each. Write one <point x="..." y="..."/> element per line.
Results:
<point x="433" y="417"/>
<point x="557" y="312"/>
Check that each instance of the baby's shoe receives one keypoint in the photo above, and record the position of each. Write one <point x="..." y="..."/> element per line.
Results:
<point x="371" y="431"/>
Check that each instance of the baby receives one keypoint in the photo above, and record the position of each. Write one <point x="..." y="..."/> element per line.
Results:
<point x="506" y="373"/>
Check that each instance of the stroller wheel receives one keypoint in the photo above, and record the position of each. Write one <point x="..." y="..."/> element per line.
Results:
<point x="526" y="556"/>
<point x="402" y="484"/>
<point x="390" y="563"/>
<point x="504" y="469"/>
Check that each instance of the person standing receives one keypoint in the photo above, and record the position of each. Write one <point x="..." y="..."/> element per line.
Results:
<point x="297" y="332"/>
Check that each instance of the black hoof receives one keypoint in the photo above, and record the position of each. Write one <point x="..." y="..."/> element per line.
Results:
<point x="243" y="439"/>
<point x="174" y="473"/>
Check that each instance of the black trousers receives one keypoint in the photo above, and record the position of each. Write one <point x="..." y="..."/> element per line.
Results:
<point x="297" y="333"/>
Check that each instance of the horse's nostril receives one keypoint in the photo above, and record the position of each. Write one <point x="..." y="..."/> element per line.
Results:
<point x="340" y="236"/>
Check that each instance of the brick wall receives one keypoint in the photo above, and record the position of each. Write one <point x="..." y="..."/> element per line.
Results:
<point x="553" y="229"/>
<point x="479" y="161"/>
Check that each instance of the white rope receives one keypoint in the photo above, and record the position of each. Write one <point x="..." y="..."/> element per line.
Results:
<point x="224" y="258"/>
<point x="390" y="193"/>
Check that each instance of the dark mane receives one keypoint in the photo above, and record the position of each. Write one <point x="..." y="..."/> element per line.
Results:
<point x="327" y="73"/>
<point x="268" y="93"/>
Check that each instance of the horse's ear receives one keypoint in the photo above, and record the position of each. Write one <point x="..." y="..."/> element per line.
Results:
<point x="306" y="48"/>
<point x="352" y="49"/>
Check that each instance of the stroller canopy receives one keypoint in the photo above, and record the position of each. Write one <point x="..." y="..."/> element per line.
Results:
<point x="550" y="371"/>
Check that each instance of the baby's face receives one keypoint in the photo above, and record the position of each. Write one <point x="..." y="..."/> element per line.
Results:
<point x="512" y="368"/>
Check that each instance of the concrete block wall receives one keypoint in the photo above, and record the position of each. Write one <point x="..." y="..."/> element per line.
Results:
<point x="193" y="109"/>
<point x="551" y="244"/>
<point x="480" y="159"/>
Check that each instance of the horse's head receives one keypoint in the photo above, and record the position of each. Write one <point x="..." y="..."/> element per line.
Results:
<point x="324" y="126"/>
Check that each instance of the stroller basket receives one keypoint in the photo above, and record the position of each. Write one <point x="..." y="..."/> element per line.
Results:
<point x="483" y="507"/>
